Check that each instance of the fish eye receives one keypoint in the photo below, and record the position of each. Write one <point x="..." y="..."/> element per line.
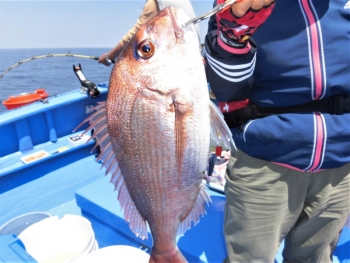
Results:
<point x="146" y="49"/>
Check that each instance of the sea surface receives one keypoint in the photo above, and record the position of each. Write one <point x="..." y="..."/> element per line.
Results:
<point x="54" y="74"/>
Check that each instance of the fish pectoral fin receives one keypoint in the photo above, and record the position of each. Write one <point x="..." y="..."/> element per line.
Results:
<point x="197" y="210"/>
<point x="219" y="131"/>
<point x="180" y="139"/>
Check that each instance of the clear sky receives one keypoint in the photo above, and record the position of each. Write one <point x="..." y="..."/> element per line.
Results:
<point x="70" y="24"/>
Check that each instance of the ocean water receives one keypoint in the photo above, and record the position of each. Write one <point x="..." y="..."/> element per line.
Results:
<point x="54" y="74"/>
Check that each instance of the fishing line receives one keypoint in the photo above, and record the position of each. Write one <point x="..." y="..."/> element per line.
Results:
<point x="47" y="56"/>
<point x="58" y="55"/>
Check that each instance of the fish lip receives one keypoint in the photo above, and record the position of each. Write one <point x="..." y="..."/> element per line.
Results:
<point x="179" y="32"/>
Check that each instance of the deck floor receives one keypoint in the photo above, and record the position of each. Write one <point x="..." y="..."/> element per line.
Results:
<point x="55" y="193"/>
<point x="98" y="202"/>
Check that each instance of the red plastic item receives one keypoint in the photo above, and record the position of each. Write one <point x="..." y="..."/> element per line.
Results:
<point x="218" y="150"/>
<point x="24" y="99"/>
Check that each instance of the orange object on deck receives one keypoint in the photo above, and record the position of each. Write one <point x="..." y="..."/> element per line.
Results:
<point x="24" y="99"/>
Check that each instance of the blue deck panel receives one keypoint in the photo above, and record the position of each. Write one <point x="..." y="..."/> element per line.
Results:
<point x="202" y="243"/>
<point x="46" y="185"/>
<point x="50" y="182"/>
<point x="38" y="123"/>
<point x="12" y="250"/>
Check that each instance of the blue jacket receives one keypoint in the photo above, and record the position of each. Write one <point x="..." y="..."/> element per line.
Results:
<point x="302" y="54"/>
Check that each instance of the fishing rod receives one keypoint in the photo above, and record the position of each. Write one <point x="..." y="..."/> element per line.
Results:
<point x="47" y="56"/>
<point x="54" y="55"/>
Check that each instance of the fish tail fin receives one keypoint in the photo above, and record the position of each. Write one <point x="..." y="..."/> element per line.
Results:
<point x="173" y="256"/>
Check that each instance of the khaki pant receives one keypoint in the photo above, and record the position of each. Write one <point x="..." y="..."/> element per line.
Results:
<point x="267" y="203"/>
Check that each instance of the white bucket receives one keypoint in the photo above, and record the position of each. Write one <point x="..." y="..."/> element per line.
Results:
<point x="54" y="240"/>
<point x="120" y="253"/>
<point x="18" y="224"/>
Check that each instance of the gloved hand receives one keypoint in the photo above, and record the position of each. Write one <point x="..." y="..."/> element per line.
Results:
<point x="237" y="23"/>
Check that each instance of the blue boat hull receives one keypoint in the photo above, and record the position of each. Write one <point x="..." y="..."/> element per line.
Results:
<point x="70" y="181"/>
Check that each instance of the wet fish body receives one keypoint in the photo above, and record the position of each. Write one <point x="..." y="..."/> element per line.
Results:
<point x="154" y="131"/>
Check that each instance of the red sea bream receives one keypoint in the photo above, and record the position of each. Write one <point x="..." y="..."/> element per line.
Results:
<point x="154" y="131"/>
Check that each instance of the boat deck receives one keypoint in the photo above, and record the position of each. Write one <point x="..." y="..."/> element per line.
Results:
<point x="71" y="182"/>
<point x="92" y="196"/>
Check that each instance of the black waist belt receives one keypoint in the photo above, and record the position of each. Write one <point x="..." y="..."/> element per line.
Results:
<point x="337" y="105"/>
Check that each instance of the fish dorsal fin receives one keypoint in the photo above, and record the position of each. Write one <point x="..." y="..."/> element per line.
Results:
<point x="136" y="223"/>
<point x="197" y="211"/>
<point x="98" y="122"/>
<point x="219" y="130"/>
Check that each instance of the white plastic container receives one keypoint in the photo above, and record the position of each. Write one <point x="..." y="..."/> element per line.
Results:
<point x="54" y="240"/>
<point x="120" y="253"/>
<point x="18" y="224"/>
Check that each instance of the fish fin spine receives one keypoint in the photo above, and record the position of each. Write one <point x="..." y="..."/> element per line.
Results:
<point x="98" y="122"/>
<point x="137" y="224"/>
<point x="219" y="131"/>
<point x="197" y="211"/>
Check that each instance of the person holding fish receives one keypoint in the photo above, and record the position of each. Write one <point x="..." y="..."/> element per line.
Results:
<point x="150" y="9"/>
<point x="281" y="77"/>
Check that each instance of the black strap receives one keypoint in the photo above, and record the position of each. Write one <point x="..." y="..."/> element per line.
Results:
<point x="337" y="105"/>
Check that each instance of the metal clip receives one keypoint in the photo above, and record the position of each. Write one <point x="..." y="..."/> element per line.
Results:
<point x="215" y="10"/>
